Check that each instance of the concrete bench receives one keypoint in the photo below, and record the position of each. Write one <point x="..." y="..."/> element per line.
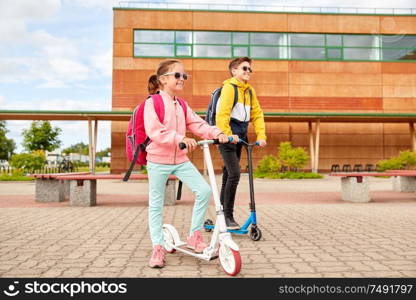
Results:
<point x="355" y="185"/>
<point x="49" y="189"/>
<point x="83" y="188"/>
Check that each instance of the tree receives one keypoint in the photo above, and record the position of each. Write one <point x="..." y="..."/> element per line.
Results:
<point x="29" y="162"/>
<point x="41" y="136"/>
<point x="80" y="148"/>
<point x="7" y="146"/>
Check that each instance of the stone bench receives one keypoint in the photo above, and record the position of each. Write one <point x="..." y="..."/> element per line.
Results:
<point x="355" y="186"/>
<point x="49" y="189"/>
<point x="83" y="188"/>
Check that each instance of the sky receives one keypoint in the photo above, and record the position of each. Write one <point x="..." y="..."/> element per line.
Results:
<point x="57" y="55"/>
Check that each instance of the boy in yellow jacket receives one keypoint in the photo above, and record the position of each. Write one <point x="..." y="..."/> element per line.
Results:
<point x="233" y="120"/>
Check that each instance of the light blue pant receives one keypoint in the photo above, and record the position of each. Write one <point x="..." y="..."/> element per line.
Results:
<point x="188" y="174"/>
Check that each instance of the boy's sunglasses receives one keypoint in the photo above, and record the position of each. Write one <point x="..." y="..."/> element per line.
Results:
<point x="245" y="69"/>
<point x="177" y="75"/>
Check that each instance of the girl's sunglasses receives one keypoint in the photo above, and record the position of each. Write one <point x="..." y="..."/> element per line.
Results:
<point x="177" y="75"/>
<point x="245" y="69"/>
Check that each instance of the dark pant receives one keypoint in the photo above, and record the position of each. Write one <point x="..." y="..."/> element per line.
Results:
<point x="231" y="154"/>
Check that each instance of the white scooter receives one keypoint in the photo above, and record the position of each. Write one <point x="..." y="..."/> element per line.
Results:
<point x="221" y="244"/>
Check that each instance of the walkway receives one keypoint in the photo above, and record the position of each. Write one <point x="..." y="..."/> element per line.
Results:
<point x="307" y="232"/>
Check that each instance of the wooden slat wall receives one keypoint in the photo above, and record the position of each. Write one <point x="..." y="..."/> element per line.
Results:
<point x="292" y="86"/>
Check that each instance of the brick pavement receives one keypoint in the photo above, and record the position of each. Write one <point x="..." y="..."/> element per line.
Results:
<point x="322" y="240"/>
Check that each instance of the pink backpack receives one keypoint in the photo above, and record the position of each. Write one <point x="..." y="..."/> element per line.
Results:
<point x="136" y="138"/>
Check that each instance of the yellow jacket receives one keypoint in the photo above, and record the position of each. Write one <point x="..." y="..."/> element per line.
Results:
<point x="242" y="111"/>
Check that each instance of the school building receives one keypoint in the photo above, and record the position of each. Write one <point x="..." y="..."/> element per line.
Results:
<point x="344" y="63"/>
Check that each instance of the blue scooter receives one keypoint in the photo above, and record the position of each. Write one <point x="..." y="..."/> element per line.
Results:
<point x="254" y="232"/>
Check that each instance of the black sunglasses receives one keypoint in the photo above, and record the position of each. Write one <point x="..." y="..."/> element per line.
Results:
<point x="245" y="69"/>
<point x="177" y="75"/>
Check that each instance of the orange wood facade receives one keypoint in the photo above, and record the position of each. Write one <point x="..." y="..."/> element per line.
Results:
<point x="290" y="86"/>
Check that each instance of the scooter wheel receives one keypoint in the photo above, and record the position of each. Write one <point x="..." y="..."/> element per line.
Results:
<point x="167" y="235"/>
<point x="209" y="223"/>
<point x="230" y="260"/>
<point x="255" y="233"/>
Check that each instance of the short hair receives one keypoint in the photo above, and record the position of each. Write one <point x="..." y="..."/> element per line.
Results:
<point x="236" y="62"/>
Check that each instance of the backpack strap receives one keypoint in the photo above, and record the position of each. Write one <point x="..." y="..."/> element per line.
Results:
<point x="159" y="106"/>
<point x="183" y="105"/>
<point x="160" y="111"/>
<point x="235" y="94"/>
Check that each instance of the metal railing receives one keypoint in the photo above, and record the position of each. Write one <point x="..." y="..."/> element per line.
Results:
<point x="267" y="8"/>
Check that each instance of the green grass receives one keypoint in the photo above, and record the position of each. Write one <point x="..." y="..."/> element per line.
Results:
<point x="288" y="175"/>
<point x="97" y="169"/>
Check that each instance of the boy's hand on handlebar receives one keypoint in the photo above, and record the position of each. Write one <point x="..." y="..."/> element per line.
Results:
<point x="262" y="143"/>
<point x="190" y="144"/>
<point x="235" y="139"/>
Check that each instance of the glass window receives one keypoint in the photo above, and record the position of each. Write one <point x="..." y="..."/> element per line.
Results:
<point x="184" y="50"/>
<point x="204" y="37"/>
<point x="212" y="51"/>
<point x="267" y="39"/>
<point x="334" y="40"/>
<point x="398" y="41"/>
<point x="240" y="38"/>
<point x="334" y="53"/>
<point x="360" y="54"/>
<point x="184" y="37"/>
<point x="274" y="45"/>
<point x="240" y="51"/>
<point x="360" y="41"/>
<point x="307" y="53"/>
<point x="399" y="54"/>
<point x="307" y="39"/>
<point x="153" y="50"/>
<point x="268" y="52"/>
<point x="154" y="36"/>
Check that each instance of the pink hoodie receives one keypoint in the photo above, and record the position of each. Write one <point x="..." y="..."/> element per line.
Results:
<point x="164" y="148"/>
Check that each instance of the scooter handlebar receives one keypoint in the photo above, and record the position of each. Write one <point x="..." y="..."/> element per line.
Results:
<point x="182" y="145"/>
<point x="247" y="144"/>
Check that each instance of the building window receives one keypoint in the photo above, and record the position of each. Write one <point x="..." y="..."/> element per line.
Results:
<point x="274" y="45"/>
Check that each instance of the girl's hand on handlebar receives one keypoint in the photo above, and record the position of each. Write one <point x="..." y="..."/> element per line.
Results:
<point x="222" y="138"/>
<point x="190" y="144"/>
<point x="261" y="143"/>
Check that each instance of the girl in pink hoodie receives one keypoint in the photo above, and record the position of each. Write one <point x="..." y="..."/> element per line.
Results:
<point x="164" y="156"/>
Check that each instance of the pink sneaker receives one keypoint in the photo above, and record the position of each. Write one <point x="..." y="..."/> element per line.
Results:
<point x="158" y="257"/>
<point x="196" y="242"/>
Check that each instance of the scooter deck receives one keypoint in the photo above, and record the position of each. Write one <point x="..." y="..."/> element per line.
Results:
<point x="234" y="231"/>
<point x="184" y="249"/>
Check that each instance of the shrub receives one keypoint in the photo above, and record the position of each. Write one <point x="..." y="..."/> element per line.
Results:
<point x="405" y="160"/>
<point x="408" y="158"/>
<point x="29" y="162"/>
<point x="268" y="163"/>
<point x="103" y="165"/>
<point x="290" y="158"/>
<point x="293" y="158"/>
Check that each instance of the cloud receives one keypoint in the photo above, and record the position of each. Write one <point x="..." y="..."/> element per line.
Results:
<point x="103" y="62"/>
<point x="60" y="104"/>
<point x="93" y="3"/>
<point x="14" y="16"/>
